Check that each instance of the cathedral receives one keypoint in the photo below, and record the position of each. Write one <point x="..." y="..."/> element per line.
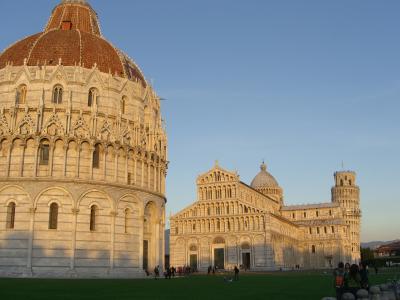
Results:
<point x="236" y="224"/>
<point x="83" y="155"/>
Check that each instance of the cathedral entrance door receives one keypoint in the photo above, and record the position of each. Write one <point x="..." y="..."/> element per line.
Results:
<point x="145" y="255"/>
<point x="219" y="257"/>
<point x="193" y="262"/>
<point x="246" y="260"/>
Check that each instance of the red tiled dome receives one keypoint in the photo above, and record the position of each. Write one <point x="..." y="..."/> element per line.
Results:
<point x="72" y="37"/>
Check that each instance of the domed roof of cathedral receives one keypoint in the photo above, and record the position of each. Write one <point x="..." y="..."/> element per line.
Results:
<point x="264" y="179"/>
<point x="72" y="37"/>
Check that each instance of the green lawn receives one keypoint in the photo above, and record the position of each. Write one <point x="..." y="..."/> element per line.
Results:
<point x="279" y="285"/>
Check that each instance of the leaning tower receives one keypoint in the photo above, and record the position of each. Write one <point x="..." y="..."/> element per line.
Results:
<point x="347" y="194"/>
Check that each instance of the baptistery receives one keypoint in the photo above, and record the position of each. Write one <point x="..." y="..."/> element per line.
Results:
<point x="83" y="155"/>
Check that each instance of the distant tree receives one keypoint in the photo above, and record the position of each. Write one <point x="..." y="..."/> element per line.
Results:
<point x="367" y="254"/>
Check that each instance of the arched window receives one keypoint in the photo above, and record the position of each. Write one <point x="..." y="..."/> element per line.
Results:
<point x="96" y="156"/>
<point x="20" y="96"/>
<point x="245" y="246"/>
<point x="53" y="216"/>
<point x="341" y="182"/>
<point x="93" y="213"/>
<point x="123" y="104"/>
<point x="57" y="94"/>
<point x="10" y="215"/>
<point x="350" y="182"/>
<point x="313" y="249"/>
<point x="126" y="220"/>
<point x="44" y="153"/>
<point x="92" y="97"/>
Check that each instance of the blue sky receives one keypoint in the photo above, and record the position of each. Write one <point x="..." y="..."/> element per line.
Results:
<point x="304" y="85"/>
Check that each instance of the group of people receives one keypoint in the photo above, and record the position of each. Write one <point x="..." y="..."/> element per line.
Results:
<point x="350" y="278"/>
<point x="169" y="272"/>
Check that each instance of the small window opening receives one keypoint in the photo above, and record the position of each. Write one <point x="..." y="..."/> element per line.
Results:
<point x="20" y="96"/>
<point x="96" y="156"/>
<point x="10" y="216"/>
<point x="93" y="213"/>
<point x="66" y="25"/>
<point x="57" y="94"/>
<point x="44" y="154"/>
<point x="53" y="216"/>
<point x="92" y="97"/>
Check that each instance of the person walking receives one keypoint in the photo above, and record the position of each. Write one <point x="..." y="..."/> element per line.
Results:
<point x="338" y="275"/>
<point x="236" y="270"/>
<point x="364" y="275"/>
<point x="353" y="280"/>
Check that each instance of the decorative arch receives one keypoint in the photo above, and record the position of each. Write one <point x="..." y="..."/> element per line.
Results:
<point x="40" y="194"/>
<point x="26" y="125"/>
<point x="86" y="193"/>
<point x="80" y="129"/>
<point x="53" y="126"/>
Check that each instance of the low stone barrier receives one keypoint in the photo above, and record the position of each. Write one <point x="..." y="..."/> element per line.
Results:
<point x="384" y="291"/>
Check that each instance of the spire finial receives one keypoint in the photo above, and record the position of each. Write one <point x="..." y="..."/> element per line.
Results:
<point x="216" y="163"/>
<point x="263" y="166"/>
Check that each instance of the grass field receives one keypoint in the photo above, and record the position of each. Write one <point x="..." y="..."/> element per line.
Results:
<point x="279" y="285"/>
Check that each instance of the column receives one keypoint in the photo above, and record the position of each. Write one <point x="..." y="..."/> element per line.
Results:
<point x="91" y="149"/>
<point x="9" y="159"/>
<point x="161" y="244"/>
<point x="116" y="165"/>
<point x="135" y="171"/>
<point x="78" y="158"/>
<point x="148" y="176"/>
<point x="113" y="215"/>
<point x="75" y="212"/>
<point x="50" y="171"/>
<point x="157" y="243"/>
<point x="37" y="146"/>
<point x="142" y="180"/>
<point x="32" y="211"/>
<point x="126" y="168"/>
<point x="65" y="160"/>
<point x="141" y="220"/>
<point x="21" y="166"/>
<point x="105" y="163"/>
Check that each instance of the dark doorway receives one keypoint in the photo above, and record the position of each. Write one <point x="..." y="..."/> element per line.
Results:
<point x="246" y="260"/>
<point x="193" y="262"/>
<point x="219" y="258"/>
<point x="145" y="255"/>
